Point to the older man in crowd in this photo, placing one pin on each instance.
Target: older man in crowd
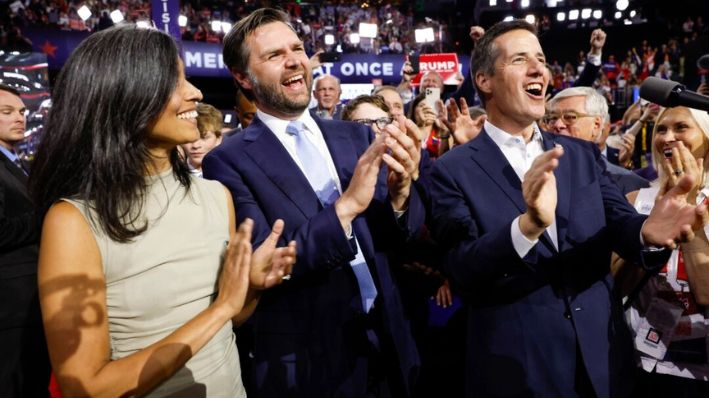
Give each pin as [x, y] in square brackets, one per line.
[582, 112]
[327, 93]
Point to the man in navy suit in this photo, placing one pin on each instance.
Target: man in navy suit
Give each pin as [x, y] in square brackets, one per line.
[531, 219]
[336, 326]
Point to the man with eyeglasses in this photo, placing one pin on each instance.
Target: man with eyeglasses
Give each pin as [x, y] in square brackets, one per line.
[530, 219]
[582, 112]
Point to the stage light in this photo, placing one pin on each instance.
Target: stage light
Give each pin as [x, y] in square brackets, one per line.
[627, 22]
[226, 27]
[618, 14]
[424, 35]
[524, 3]
[182, 21]
[354, 38]
[368, 30]
[217, 26]
[530, 18]
[597, 14]
[573, 15]
[493, 3]
[508, 18]
[329, 39]
[561, 16]
[117, 16]
[632, 14]
[621, 5]
[143, 24]
[84, 13]
[586, 13]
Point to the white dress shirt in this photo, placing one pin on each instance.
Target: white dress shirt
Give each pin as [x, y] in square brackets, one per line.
[520, 155]
[313, 133]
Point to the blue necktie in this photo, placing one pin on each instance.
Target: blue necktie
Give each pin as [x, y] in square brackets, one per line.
[316, 171]
[19, 164]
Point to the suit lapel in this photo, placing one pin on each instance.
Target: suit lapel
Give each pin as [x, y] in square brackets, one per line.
[563, 190]
[18, 179]
[344, 154]
[489, 157]
[274, 160]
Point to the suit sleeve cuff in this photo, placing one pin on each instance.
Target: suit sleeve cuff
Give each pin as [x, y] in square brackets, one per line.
[520, 242]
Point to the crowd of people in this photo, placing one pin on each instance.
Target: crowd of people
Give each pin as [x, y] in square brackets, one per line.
[398, 245]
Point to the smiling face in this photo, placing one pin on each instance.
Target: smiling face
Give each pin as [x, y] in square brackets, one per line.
[177, 123]
[586, 127]
[327, 92]
[371, 112]
[678, 124]
[515, 92]
[12, 119]
[279, 73]
[196, 150]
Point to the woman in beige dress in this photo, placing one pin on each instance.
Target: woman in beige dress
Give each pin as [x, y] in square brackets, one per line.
[141, 270]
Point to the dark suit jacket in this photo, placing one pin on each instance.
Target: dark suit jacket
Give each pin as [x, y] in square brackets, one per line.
[24, 368]
[309, 333]
[612, 155]
[527, 316]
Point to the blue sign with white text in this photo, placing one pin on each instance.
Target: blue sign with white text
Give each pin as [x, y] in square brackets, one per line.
[206, 60]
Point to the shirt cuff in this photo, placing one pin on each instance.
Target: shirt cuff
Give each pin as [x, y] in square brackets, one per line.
[348, 231]
[594, 59]
[520, 242]
[648, 247]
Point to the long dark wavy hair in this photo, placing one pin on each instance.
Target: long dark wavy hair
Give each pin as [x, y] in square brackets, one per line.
[106, 99]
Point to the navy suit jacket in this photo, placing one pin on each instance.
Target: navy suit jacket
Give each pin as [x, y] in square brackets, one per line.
[308, 331]
[528, 315]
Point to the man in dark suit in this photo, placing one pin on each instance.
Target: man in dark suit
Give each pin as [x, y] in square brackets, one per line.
[24, 362]
[531, 219]
[336, 326]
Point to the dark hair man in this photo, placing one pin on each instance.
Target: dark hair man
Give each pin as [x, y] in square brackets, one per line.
[531, 219]
[336, 328]
[24, 363]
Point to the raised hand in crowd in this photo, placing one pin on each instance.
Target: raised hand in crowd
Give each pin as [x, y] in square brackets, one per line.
[627, 146]
[462, 126]
[476, 32]
[598, 40]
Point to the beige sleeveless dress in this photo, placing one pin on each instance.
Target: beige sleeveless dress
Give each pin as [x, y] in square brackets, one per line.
[166, 276]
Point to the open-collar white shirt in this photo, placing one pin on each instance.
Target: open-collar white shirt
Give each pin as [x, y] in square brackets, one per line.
[520, 156]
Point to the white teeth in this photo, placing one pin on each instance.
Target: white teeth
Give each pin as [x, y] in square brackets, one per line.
[187, 115]
[534, 86]
[293, 79]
